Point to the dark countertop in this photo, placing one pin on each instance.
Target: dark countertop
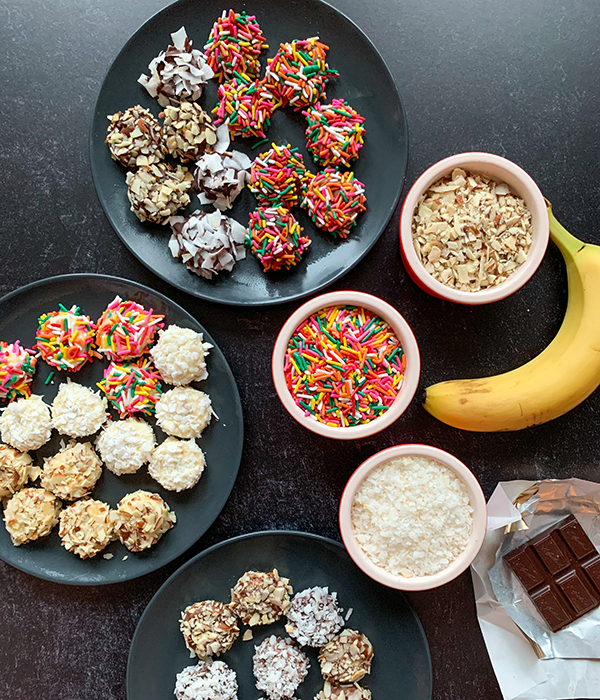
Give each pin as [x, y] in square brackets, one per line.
[517, 79]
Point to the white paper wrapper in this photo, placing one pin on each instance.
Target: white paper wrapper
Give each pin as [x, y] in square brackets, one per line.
[520, 672]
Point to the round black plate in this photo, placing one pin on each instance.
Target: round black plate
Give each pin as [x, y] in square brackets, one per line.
[197, 508]
[364, 81]
[401, 666]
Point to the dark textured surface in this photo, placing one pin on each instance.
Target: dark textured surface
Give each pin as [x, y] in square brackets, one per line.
[520, 80]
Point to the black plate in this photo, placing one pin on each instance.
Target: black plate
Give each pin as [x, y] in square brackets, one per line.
[197, 508]
[401, 666]
[365, 81]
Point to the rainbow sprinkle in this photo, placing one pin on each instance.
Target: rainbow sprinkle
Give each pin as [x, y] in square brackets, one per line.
[132, 387]
[17, 367]
[65, 338]
[344, 366]
[277, 177]
[275, 238]
[334, 135]
[234, 46]
[334, 200]
[126, 330]
[246, 106]
[298, 73]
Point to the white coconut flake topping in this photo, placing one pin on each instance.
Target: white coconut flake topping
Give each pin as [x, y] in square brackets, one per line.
[279, 667]
[314, 617]
[220, 177]
[207, 242]
[180, 355]
[184, 412]
[412, 516]
[25, 424]
[177, 464]
[177, 74]
[208, 680]
[126, 445]
[78, 411]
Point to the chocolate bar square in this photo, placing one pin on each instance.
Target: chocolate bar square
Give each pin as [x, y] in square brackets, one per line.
[560, 570]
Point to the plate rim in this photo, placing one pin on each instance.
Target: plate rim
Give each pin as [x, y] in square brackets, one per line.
[65, 277]
[256, 535]
[268, 301]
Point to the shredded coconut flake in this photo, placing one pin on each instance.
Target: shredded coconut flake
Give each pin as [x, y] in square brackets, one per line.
[184, 412]
[279, 667]
[206, 681]
[180, 355]
[25, 424]
[78, 411]
[412, 516]
[126, 445]
[177, 464]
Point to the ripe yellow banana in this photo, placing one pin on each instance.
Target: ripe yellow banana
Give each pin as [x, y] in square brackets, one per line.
[551, 384]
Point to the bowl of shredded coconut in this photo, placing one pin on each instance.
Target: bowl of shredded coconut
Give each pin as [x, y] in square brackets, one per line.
[413, 517]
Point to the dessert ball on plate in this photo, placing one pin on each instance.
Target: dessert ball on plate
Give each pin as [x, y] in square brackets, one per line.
[314, 617]
[209, 628]
[346, 658]
[277, 177]
[141, 519]
[132, 387]
[184, 412]
[334, 135]
[207, 242]
[206, 680]
[73, 472]
[298, 73]
[177, 464]
[126, 445]
[31, 514]
[188, 131]
[260, 598]
[246, 107]
[220, 177]
[343, 692]
[234, 46]
[279, 667]
[178, 74]
[157, 191]
[17, 367]
[86, 527]
[16, 469]
[135, 138]
[334, 200]
[180, 355]
[77, 411]
[275, 238]
[25, 424]
[126, 330]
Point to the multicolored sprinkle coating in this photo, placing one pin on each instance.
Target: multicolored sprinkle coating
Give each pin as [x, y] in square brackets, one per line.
[277, 177]
[344, 366]
[298, 73]
[334, 135]
[132, 387]
[334, 200]
[125, 330]
[275, 238]
[247, 106]
[17, 367]
[65, 338]
[234, 46]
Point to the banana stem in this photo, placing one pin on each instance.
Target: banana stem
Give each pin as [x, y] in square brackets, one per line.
[565, 241]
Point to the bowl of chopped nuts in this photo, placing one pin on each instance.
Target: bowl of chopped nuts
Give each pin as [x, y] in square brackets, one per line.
[473, 228]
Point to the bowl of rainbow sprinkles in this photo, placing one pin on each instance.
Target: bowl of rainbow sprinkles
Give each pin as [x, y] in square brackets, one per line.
[346, 365]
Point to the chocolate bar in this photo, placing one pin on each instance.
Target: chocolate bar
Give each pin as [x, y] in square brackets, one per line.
[560, 570]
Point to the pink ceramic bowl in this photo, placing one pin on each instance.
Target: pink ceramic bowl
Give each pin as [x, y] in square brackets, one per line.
[417, 583]
[407, 341]
[497, 168]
